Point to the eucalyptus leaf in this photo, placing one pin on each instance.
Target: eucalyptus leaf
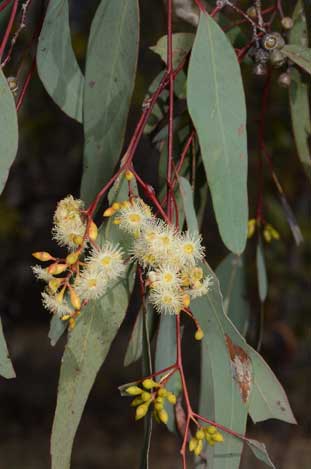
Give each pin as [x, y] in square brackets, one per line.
[8, 130]
[182, 43]
[57, 65]
[6, 367]
[300, 55]
[261, 271]
[110, 76]
[217, 107]
[187, 198]
[135, 345]
[260, 451]
[57, 328]
[299, 93]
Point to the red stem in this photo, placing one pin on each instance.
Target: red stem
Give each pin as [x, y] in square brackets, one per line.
[22, 94]
[8, 28]
[171, 107]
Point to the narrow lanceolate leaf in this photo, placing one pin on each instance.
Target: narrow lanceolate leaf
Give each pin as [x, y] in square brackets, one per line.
[135, 346]
[86, 350]
[182, 43]
[110, 76]
[6, 367]
[299, 93]
[261, 271]
[300, 55]
[57, 328]
[187, 199]
[57, 65]
[8, 130]
[231, 276]
[260, 451]
[217, 107]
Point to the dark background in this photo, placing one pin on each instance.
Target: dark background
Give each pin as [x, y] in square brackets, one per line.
[47, 168]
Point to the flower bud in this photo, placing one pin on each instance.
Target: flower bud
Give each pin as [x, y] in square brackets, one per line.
[43, 256]
[65, 317]
[287, 22]
[267, 235]
[251, 227]
[163, 416]
[54, 284]
[150, 383]
[218, 438]
[129, 175]
[186, 300]
[137, 401]
[141, 411]
[158, 406]
[200, 435]
[72, 323]
[56, 269]
[93, 231]
[193, 444]
[199, 334]
[116, 206]
[171, 398]
[133, 390]
[198, 448]
[162, 392]
[72, 258]
[77, 239]
[74, 299]
[146, 396]
[211, 430]
[108, 212]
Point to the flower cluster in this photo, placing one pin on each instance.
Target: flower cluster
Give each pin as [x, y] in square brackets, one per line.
[170, 258]
[151, 392]
[72, 281]
[209, 434]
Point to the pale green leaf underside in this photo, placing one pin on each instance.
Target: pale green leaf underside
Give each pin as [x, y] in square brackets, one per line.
[110, 77]
[182, 43]
[299, 94]
[260, 451]
[86, 350]
[217, 107]
[57, 328]
[6, 367]
[8, 130]
[300, 55]
[57, 65]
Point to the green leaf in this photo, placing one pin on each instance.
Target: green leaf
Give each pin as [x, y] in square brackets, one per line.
[57, 65]
[182, 43]
[261, 271]
[166, 356]
[135, 345]
[260, 451]
[8, 130]
[6, 367]
[301, 56]
[217, 107]
[86, 350]
[57, 328]
[299, 94]
[187, 198]
[110, 75]
[231, 276]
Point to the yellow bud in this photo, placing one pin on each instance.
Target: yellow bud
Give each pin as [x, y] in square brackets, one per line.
[54, 284]
[146, 396]
[149, 383]
[72, 323]
[158, 406]
[72, 258]
[43, 256]
[274, 233]
[218, 437]
[155, 416]
[251, 227]
[186, 300]
[60, 296]
[267, 235]
[108, 212]
[77, 239]
[208, 437]
[129, 175]
[199, 334]
[193, 444]
[141, 411]
[159, 400]
[125, 204]
[117, 221]
[162, 392]
[93, 231]
[56, 269]
[74, 299]
[211, 430]
[171, 398]
[163, 416]
[136, 401]
[200, 435]
[65, 317]
[185, 281]
[133, 390]
[198, 448]
[116, 206]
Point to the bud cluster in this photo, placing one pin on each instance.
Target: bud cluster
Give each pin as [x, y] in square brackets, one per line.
[209, 434]
[269, 232]
[149, 393]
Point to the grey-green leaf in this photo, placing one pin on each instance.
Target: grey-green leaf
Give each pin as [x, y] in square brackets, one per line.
[231, 276]
[300, 55]
[261, 271]
[217, 107]
[182, 43]
[6, 367]
[135, 345]
[299, 94]
[57, 328]
[86, 350]
[8, 130]
[57, 65]
[110, 76]
[187, 198]
[260, 451]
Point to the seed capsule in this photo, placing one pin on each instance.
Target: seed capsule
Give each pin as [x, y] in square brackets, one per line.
[12, 82]
[251, 12]
[261, 56]
[277, 58]
[287, 22]
[272, 41]
[284, 80]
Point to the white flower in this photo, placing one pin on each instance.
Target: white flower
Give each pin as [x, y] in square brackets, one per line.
[108, 259]
[166, 301]
[190, 248]
[200, 288]
[41, 274]
[69, 228]
[91, 283]
[166, 277]
[133, 217]
[51, 303]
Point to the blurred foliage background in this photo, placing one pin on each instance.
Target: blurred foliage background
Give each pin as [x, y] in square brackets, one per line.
[48, 167]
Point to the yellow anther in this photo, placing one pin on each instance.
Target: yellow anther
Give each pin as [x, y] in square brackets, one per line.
[185, 281]
[171, 398]
[56, 269]
[200, 435]
[133, 390]
[72, 258]
[108, 212]
[129, 175]
[125, 204]
[199, 334]
[141, 411]
[43, 256]
[186, 300]
[163, 416]
[198, 448]
[116, 206]
[93, 231]
[74, 299]
[150, 383]
[117, 221]
[218, 438]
